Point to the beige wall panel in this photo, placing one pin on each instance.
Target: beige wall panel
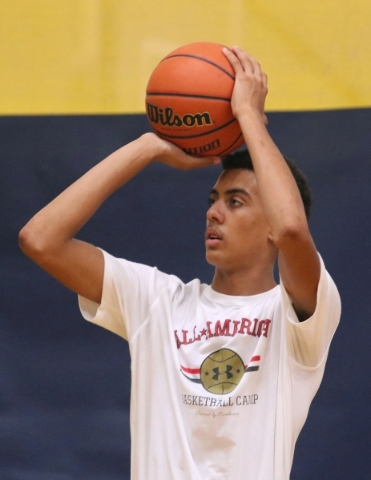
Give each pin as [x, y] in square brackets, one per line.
[95, 56]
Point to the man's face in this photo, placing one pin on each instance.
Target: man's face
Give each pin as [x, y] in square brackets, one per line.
[236, 229]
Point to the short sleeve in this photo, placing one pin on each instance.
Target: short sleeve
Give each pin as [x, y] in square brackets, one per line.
[128, 291]
[308, 341]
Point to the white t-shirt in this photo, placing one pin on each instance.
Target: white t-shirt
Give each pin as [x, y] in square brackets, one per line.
[221, 385]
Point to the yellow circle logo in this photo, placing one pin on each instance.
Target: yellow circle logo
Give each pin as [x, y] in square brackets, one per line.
[222, 371]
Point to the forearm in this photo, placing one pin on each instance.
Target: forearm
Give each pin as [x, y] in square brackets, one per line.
[61, 219]
[278, 190]
[66, 214]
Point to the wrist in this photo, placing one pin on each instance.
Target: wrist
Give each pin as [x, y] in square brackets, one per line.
[248, 114]
[153, 145]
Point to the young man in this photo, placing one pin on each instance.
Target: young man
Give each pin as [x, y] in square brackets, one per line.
[222, 375]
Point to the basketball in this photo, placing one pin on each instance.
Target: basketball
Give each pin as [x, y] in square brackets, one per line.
[188, 100]
[222, 371]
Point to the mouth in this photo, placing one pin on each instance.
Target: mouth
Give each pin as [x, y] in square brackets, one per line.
[212, 237]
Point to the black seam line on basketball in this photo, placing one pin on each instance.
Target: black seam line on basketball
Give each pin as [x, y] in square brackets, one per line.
[202, 59]
[198, 135]
[188, 95]
[230, 146]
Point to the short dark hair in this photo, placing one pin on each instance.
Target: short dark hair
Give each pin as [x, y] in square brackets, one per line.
[242, 159]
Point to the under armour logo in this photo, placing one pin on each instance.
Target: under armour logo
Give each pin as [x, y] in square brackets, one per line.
[226, 372]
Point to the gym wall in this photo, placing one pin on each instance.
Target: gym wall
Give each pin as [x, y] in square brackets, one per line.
[72, 82]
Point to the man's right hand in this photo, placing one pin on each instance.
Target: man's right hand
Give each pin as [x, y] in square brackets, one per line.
[173, 156]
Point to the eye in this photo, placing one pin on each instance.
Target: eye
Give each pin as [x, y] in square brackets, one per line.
[234, 202]
[211, 200]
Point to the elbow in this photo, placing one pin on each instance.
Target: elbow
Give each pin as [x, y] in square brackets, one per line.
[291, 232]
[30, 242]
[25, 241]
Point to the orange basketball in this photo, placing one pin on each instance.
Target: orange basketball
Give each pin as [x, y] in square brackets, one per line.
[188, 100]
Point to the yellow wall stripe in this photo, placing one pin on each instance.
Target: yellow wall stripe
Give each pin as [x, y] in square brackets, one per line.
[95, 56]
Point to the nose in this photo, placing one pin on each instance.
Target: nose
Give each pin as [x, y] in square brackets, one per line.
[215, 212]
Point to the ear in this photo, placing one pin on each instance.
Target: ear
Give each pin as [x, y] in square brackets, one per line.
[271, 241]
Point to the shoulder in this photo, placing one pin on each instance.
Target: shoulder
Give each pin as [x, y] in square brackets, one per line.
[149, 278]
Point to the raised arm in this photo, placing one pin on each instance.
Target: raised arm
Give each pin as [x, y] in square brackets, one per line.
[298, 259]
[48, 237]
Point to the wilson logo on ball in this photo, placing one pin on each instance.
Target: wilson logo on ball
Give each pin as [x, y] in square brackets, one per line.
[166, 117]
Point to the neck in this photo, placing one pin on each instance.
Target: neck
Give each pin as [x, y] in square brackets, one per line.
[243, 282]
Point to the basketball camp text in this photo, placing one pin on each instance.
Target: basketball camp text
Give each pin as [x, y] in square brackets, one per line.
[201, 401]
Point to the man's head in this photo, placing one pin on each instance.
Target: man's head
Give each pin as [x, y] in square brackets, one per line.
[238, 235]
